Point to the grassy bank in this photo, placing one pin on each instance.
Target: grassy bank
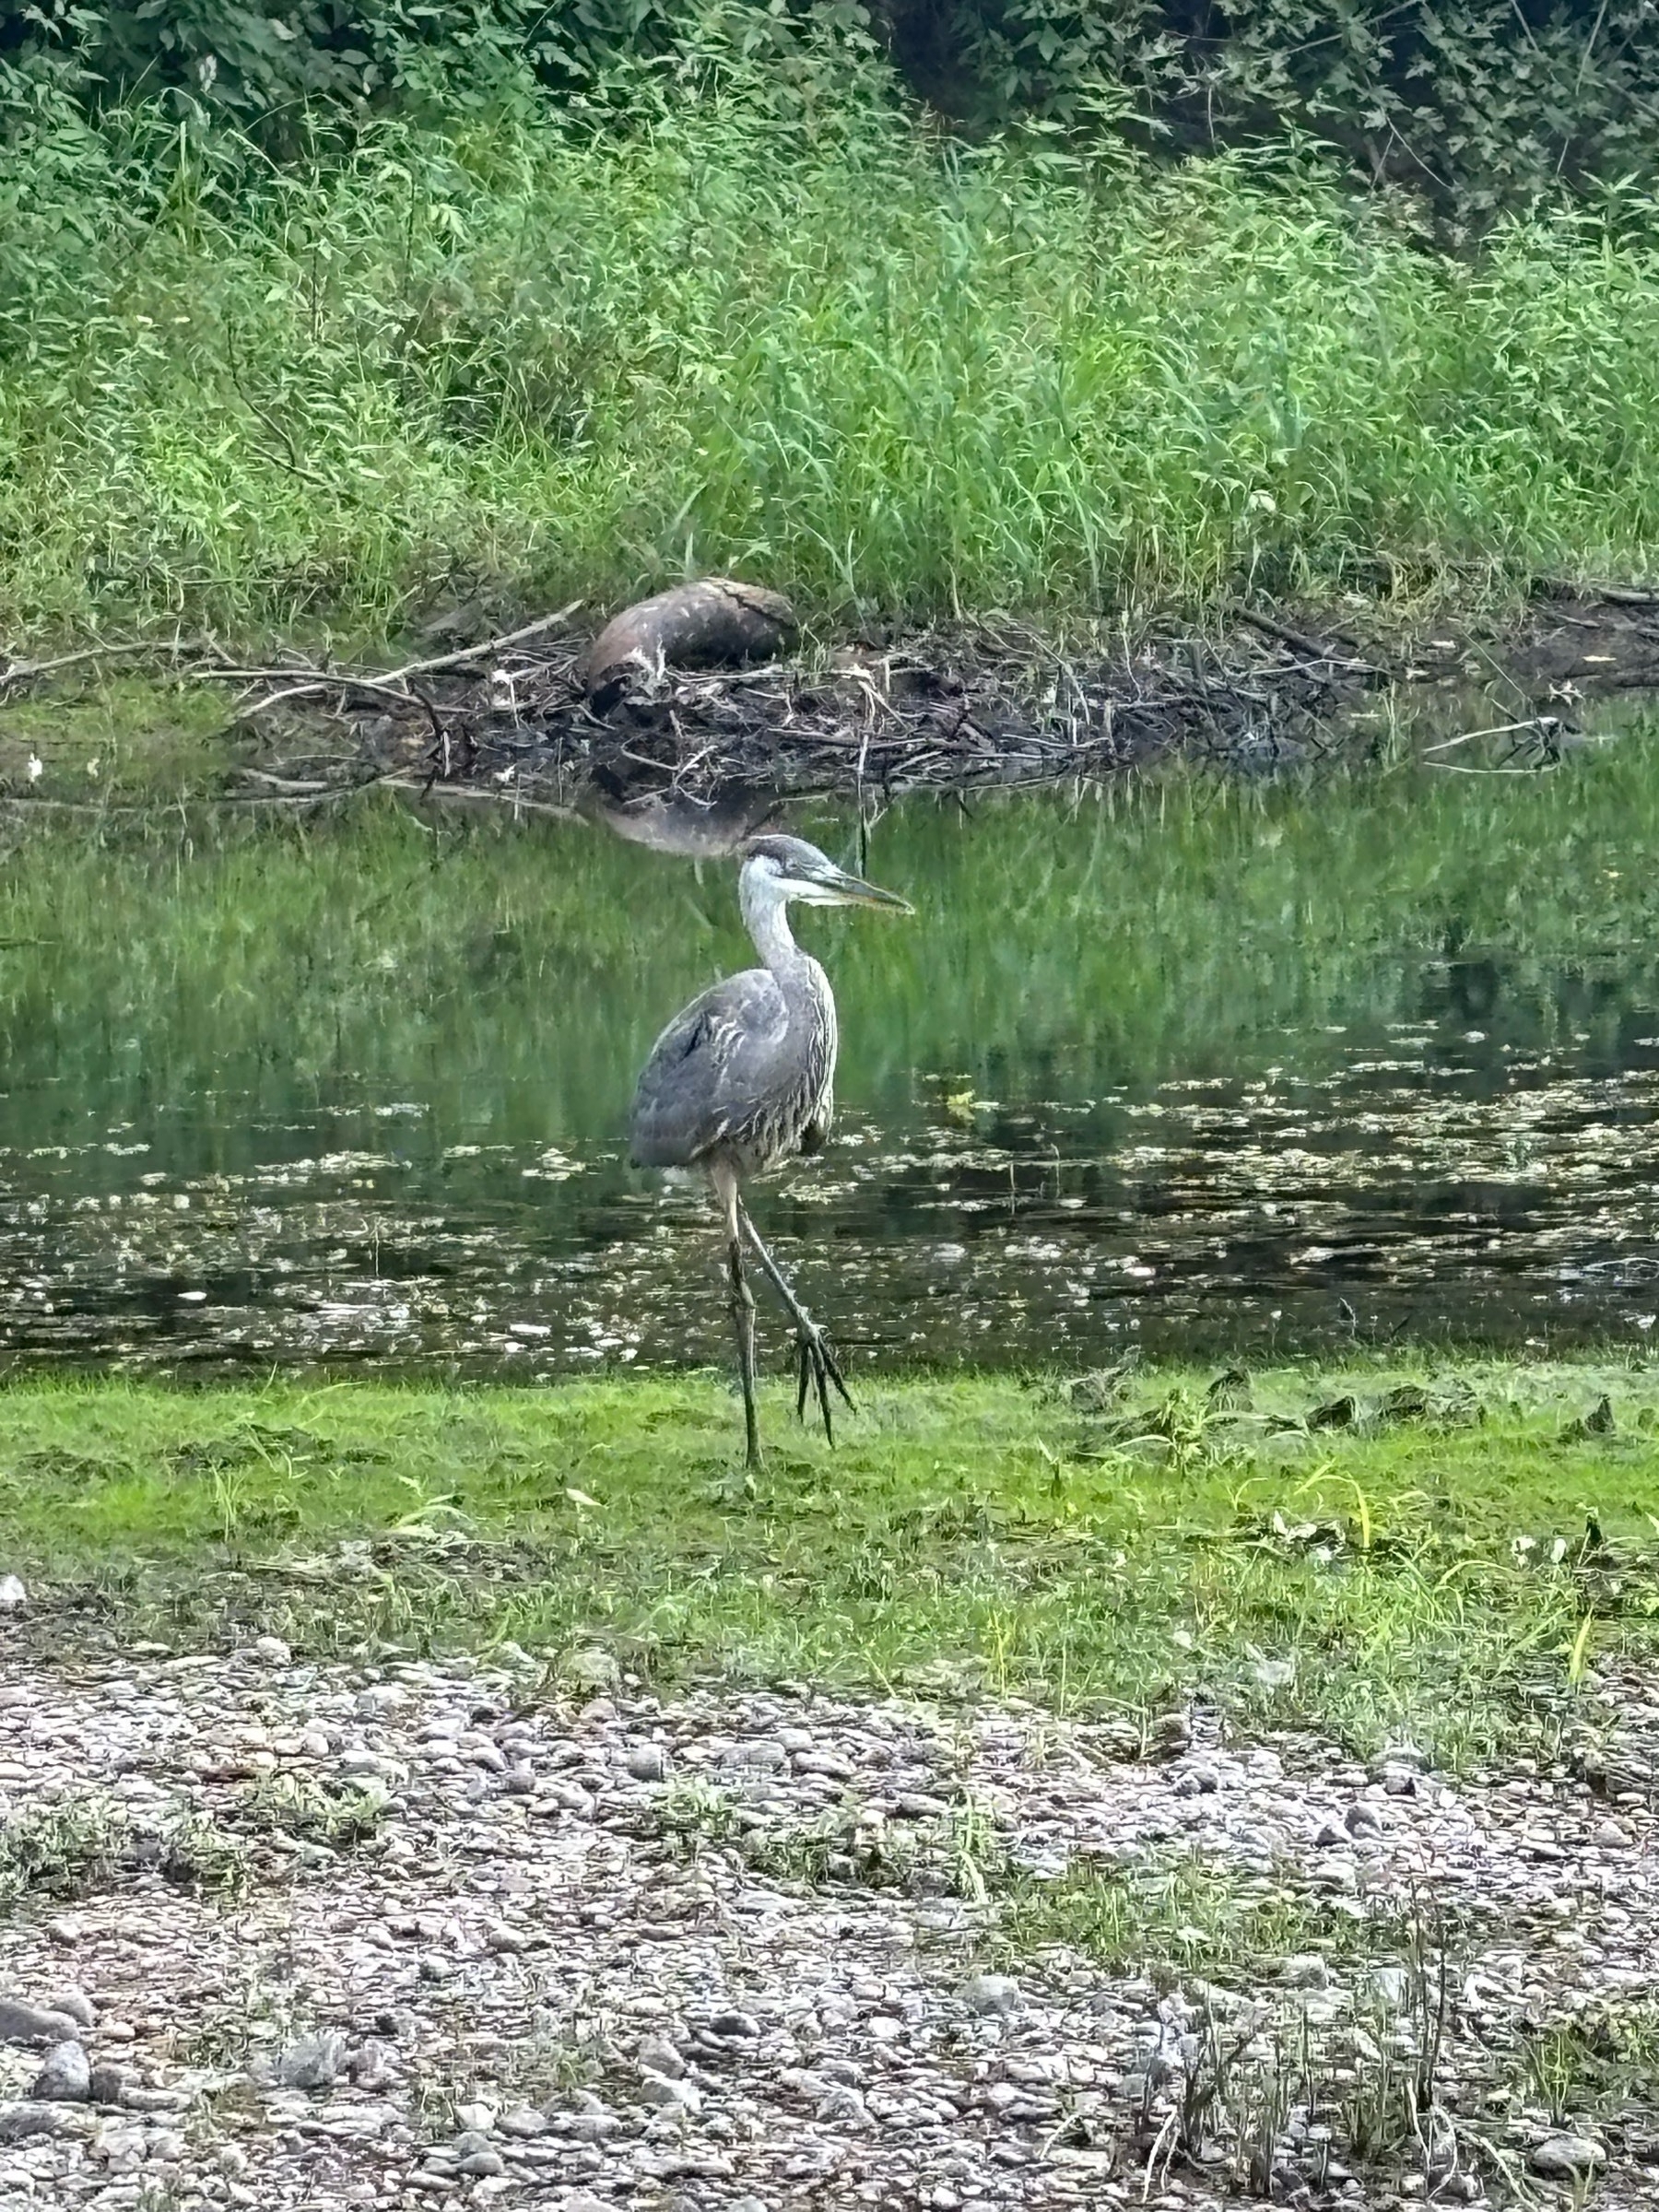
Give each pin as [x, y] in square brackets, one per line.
[1445, 1555]
[763, 321]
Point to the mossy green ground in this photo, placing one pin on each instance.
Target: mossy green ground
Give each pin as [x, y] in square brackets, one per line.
[1442, 1555]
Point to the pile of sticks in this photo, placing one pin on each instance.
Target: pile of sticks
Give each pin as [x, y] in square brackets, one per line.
[514, 721]
[510, 721]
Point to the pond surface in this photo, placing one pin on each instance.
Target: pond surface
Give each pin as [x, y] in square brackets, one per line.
[1207, 1068]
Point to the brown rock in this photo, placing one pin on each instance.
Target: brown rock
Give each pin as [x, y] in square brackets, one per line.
[716, 623]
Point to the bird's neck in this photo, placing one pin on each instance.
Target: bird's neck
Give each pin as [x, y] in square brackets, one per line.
[768, 921]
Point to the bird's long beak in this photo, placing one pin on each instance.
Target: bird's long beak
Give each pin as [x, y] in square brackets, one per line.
[854, 891]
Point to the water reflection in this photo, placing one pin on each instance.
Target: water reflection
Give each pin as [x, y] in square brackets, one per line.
[1202, 1069]
[648, 809]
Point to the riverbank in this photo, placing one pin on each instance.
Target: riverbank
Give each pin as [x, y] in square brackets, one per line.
[1438, 1551]
[103, 733]
[784, 329]
[1177, 1787]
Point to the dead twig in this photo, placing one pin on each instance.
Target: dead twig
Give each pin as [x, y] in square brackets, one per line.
[26, 672]
[491, 645]
[1271, 627]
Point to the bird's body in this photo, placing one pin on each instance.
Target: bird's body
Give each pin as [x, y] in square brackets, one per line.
[746, 1071]
[743, 1078]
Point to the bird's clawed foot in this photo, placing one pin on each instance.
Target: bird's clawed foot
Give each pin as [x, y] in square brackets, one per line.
[816, 1368]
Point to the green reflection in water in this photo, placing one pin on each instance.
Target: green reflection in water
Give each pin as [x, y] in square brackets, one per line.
[377, 989]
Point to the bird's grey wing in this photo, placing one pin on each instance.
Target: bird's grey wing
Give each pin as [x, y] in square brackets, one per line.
[708, 1070]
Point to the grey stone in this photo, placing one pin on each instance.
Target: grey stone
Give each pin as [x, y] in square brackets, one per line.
[1567, 2158]
[658, 2056]
[481, 2162]
[66, 2077]
[524, 2120]
[1305, 1969]
[12, 1593]
[107, 2084]
[270, 1649]
[24, 2023]
[313, 2062]
[33, 2117]
[136, 2099]
[583, 2200]
[75, 2004]
[840, 2102]
[647, 1762]
[592, 1668]
[1175, 1731]
[659, 2090]
[991, 1994]
[1198, 1779]
[733, 2024]
[372, 2065]
[592, 2127]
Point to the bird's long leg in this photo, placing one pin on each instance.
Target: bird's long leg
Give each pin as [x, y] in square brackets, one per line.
[819, 1367]
[743, 1315]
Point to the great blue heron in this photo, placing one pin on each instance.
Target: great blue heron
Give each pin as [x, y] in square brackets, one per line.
[743, 1078]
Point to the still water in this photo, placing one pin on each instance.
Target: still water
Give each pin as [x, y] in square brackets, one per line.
[1203, 1068]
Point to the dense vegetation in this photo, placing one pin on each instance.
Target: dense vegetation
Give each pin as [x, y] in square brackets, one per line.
[1474, 103]
[396, 311]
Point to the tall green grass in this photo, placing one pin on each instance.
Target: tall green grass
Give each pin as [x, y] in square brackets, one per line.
[741, 319]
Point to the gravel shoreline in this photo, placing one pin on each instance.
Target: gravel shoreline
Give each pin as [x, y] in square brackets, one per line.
[447, 1933]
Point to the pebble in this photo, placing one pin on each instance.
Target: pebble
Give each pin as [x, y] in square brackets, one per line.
[663, 2091]
[1305, 1969]
[793, 2036]
[1567, 2157]
[24, 2023]
[66, 2076]
[991, 1994]
[313, 2063]
[12, 1593]
[658, 2056]
[24, 2118]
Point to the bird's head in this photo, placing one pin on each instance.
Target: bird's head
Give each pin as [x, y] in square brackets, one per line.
[787, 867]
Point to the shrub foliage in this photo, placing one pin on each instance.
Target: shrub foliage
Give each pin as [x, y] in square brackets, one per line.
[1475, 103]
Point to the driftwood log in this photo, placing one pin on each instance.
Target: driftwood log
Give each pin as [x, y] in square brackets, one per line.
[714, 624]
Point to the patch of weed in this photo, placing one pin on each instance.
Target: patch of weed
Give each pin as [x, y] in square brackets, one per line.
[338, 1815]
[63, 1849]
